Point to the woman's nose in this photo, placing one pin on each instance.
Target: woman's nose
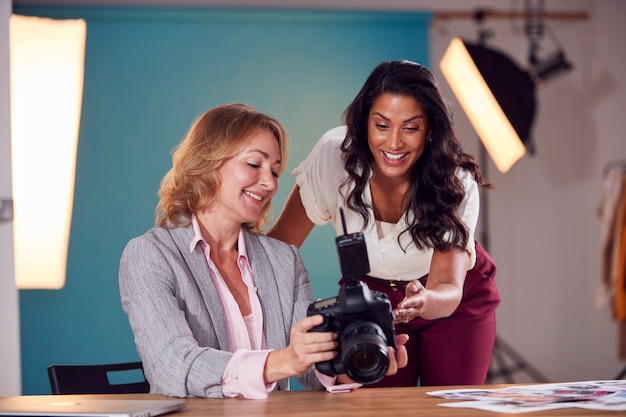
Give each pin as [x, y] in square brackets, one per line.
[269, 180]
[395, 139]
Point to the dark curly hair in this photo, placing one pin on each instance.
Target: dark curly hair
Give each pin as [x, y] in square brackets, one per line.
[436, 192]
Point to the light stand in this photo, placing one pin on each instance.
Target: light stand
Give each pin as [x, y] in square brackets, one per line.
[505, 361]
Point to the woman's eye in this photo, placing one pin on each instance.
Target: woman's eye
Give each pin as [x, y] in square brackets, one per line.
[254, 165]
[411, 129]
[381, 126]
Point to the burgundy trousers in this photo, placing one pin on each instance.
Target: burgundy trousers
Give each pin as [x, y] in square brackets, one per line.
[455, 350]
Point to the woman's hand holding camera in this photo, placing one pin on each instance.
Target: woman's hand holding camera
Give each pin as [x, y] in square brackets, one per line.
[305, 348]
[399, 358]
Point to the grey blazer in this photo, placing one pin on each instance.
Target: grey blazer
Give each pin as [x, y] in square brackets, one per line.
[177, 317]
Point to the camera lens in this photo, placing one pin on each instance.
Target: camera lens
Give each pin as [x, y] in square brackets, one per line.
[364, 348]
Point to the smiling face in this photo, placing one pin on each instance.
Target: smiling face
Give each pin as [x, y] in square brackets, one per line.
[397, 132]
[249, 179]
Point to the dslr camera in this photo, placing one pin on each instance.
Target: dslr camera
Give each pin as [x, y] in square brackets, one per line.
[362, 318]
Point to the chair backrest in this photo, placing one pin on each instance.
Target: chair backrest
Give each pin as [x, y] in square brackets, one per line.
[98, 379]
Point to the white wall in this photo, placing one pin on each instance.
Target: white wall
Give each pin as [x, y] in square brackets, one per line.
[10, 376]
[545, 229]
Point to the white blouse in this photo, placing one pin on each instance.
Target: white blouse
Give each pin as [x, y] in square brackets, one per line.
[320, 177]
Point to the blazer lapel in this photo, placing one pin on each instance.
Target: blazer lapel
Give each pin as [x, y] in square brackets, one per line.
[201, 274]
[274, 324]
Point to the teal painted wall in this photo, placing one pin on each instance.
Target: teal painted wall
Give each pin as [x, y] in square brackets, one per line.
[148, 74]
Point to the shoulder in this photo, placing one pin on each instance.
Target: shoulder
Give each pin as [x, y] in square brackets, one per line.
[326, 154]
[333, 138]
[145, 240]
[466, 178]
[336, 133]
[158, 239]
[269, 253]
[329, 142]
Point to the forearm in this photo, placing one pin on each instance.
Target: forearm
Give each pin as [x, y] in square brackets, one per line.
[443, 291]
[278, 366]
[444, 287]
[441, 301]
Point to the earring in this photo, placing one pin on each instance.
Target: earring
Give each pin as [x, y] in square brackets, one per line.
[430, 139]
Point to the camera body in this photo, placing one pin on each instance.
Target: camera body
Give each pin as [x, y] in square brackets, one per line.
[362, 318]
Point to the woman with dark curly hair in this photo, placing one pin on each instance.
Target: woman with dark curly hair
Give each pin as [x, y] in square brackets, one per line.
[402, 179]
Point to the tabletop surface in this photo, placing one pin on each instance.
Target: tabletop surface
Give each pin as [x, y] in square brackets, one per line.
[363, 402]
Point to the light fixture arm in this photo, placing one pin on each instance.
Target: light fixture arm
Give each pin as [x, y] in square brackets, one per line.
[534, 29]
[483, 34]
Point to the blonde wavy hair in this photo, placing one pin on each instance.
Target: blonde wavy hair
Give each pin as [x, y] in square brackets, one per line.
[194, 181]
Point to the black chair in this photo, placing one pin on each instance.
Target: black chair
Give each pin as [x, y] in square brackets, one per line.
[95, 379]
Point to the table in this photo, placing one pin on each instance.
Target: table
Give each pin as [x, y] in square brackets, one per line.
[364, 402]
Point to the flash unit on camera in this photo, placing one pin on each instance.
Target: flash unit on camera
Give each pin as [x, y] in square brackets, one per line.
[352, 252]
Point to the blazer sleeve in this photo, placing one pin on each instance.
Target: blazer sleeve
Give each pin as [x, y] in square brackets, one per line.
[157, 292]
